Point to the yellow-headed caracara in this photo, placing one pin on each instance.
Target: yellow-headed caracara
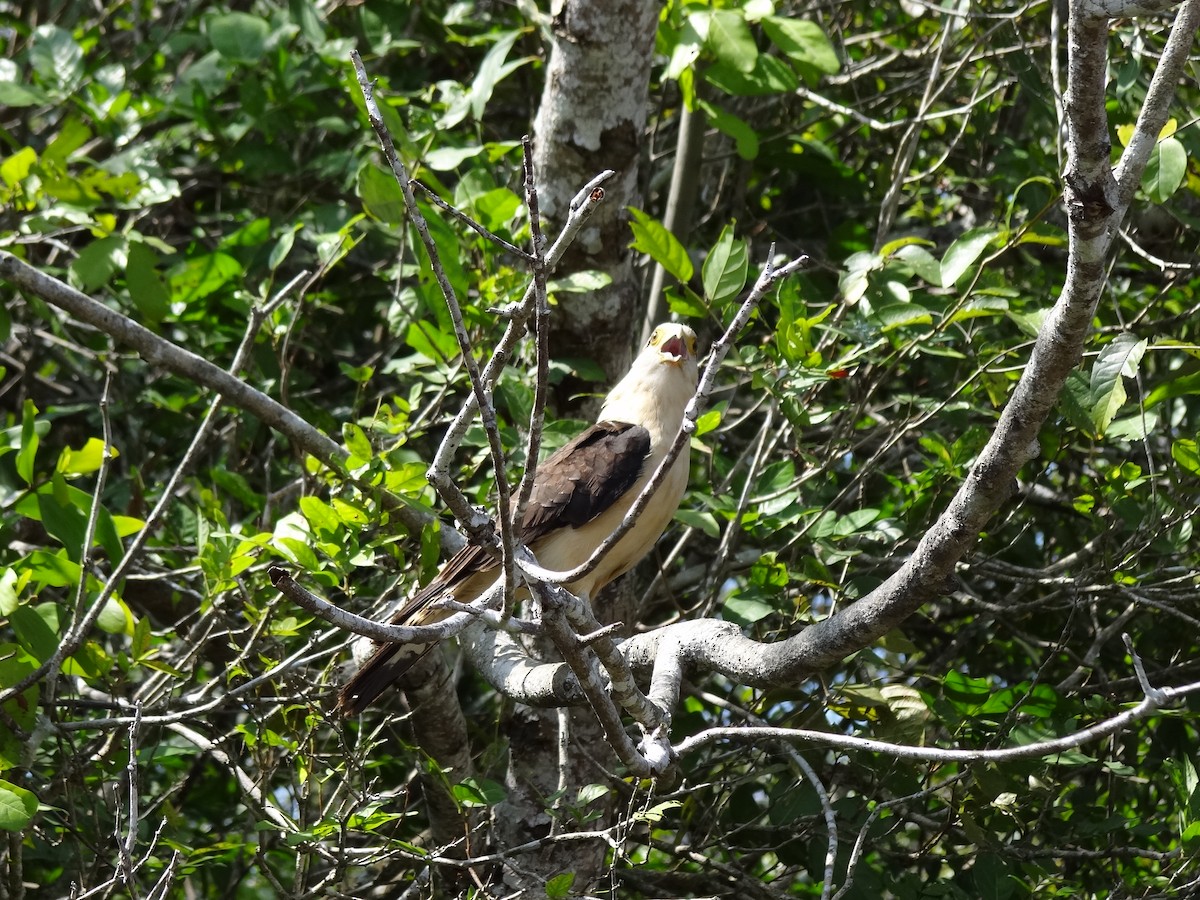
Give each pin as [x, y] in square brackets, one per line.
[580, 495]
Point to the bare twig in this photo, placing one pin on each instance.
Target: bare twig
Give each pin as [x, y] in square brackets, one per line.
[378, 631]
[580, 661]
[475, 521]
[1154, 700]
[542, 335]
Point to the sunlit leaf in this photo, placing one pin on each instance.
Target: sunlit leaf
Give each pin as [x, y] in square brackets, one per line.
[380, 194]
[651, 238]
[803, 42]
[1165, 170]
[730, 40]
[1117, 361]
[963, 253]
[725, 268]
[17, 807]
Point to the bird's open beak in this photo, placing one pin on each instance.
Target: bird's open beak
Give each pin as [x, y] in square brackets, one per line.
[674, 349]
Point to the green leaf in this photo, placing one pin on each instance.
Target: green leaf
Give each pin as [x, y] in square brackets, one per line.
[770, 75]
[86, 459]
[685, 303]
[688, 46]
[582, 282]
[745, 138]
[48, 569]
[72, 135]
[34, 631]
[1117, 361]
[447, 159]
[725, 268]
[802, 42]
[980, 306]
[901, 315]
[993, 878]
[146, 286]
[8, 591]
[916, 258]
[652, 238]
[239, 37]
[283, 246]
[730, 40]
[1165, 170]
[658, 811]
[474, 792]
[115, 617]
[589, 793]
[707, 422]
[1185, 452]
[203, 275]
[321, 517]
[56, 57]
[98, 262]
[17, 807]
[380, 194]
[16, 168]
[15, 96]
[746, 610]
[426, 339]
[560, 885]
[703, 521]
[963, 252]
[492, 71]
[29, 443]
[356, 442]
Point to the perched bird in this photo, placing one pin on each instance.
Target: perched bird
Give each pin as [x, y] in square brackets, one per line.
[580, 495]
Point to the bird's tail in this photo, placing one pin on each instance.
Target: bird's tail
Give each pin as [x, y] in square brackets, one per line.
[382, 668]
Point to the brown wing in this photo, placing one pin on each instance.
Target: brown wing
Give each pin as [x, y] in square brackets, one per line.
[575, 484]
[585, 477]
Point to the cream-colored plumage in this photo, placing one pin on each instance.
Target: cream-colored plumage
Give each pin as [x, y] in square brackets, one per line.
[580, 495]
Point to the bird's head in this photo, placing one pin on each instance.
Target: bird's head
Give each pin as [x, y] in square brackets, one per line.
[659, 383]
[675, 344]
[672, 347]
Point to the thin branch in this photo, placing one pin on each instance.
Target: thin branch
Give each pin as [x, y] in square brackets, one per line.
[125, 867]
[542, 334]
[1157, 105]
[441, 204]
[475, 521]
[580, 661]
[1093, 205]
[81, 622]
[282, 580]
[158, 351]
[1150, 704]
[581, 209]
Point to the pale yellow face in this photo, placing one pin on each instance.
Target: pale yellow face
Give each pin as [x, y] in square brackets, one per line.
[675, 343]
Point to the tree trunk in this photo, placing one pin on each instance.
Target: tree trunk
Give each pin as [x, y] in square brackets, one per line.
[592, 117]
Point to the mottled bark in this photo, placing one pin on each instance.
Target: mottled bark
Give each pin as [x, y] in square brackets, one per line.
[592, 117]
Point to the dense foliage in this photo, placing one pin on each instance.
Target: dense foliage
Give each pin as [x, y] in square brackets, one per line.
[207, 170]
